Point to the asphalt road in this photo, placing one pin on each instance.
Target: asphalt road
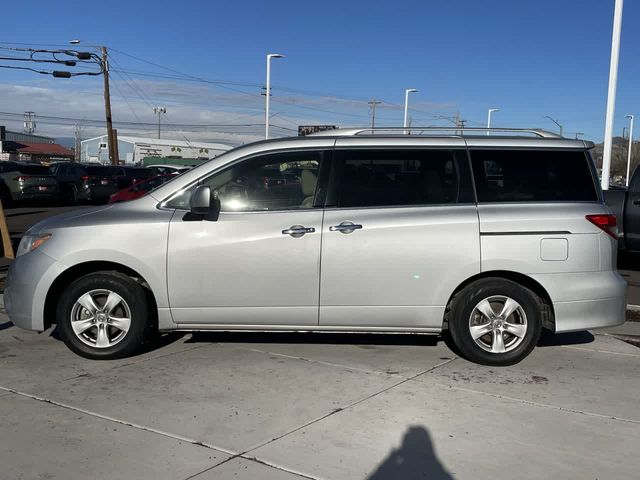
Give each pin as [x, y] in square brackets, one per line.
[20, 219]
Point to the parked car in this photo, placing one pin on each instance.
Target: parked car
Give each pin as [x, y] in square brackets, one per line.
[100, 181]
[164, 169]
[139, 189]
[72, 179]
[487, 238]
[625, 204]
[26, 181]
[132, 175]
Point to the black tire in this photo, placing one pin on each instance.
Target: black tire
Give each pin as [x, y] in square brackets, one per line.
[135, 298]
[71, 195]
[5, 195]
[464, 304]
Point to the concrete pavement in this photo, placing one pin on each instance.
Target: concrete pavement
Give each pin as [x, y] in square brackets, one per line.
[285, 406]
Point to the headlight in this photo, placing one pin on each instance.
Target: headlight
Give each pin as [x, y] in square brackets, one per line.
[30, 242]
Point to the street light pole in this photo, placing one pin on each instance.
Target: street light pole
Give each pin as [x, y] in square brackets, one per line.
[630, 117]
[406, 106]
[491, 110]
[268, 93]
[554, 121]
[611, 97]
[159, 111]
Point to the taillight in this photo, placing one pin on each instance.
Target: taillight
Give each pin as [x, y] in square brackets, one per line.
[605, 222]
[85, 177]
[22, 178]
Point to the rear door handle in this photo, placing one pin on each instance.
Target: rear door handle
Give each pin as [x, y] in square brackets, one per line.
[297, 231]
[345, 227]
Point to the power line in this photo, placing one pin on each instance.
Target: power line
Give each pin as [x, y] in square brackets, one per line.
[73, 120]
[230, 84]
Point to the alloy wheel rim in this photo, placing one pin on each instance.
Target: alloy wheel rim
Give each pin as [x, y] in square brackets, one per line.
[100, 318]
[498, 324]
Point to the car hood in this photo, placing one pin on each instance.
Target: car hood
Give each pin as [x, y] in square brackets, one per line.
[132, 211]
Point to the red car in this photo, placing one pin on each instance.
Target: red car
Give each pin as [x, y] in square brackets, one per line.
[141, 188]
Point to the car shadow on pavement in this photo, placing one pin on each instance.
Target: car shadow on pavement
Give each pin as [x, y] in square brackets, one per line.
[329, 338]
[549, 339]
[415, 458]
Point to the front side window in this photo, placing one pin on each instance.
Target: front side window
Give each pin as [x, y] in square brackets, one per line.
[279, 181]
[533, 176]
[373, 178]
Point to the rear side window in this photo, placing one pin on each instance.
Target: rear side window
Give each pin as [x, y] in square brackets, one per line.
[8, 167]
[139, 172]
[372, 178]
[103, 171]
[532, 176]
[33, 169]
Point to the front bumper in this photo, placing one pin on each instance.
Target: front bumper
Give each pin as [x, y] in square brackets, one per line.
[28, 280]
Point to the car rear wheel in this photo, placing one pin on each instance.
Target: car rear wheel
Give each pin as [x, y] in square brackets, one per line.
[71, 195]
[495, 321]
[104, 315]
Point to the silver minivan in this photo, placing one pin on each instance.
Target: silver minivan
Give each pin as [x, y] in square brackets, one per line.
[486, 238]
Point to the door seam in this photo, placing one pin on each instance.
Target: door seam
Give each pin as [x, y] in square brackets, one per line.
[320, 265]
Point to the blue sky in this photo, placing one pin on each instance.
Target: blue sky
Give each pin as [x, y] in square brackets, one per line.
[530, 59]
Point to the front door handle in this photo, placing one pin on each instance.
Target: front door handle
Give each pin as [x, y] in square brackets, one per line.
[297, 231]
[345, 227]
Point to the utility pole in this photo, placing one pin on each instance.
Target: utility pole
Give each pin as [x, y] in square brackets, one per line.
[29, 122]
[159, 111]
[78, 141]
[373, 104]
[112, 140]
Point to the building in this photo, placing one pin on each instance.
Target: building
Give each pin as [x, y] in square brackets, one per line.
[27, 147]
[132, 150]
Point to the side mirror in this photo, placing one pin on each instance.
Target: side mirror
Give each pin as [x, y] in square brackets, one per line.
[204, 205]
[200, 202]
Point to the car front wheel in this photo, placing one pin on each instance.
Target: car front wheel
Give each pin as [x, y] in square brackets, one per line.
[104, 315]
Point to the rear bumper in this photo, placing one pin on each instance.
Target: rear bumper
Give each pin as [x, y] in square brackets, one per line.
[100, 192]
[51, 193]
[583, 301]
[589, 314]
[28, 280]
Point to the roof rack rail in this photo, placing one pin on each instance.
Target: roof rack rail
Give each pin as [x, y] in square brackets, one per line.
[454, 131]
